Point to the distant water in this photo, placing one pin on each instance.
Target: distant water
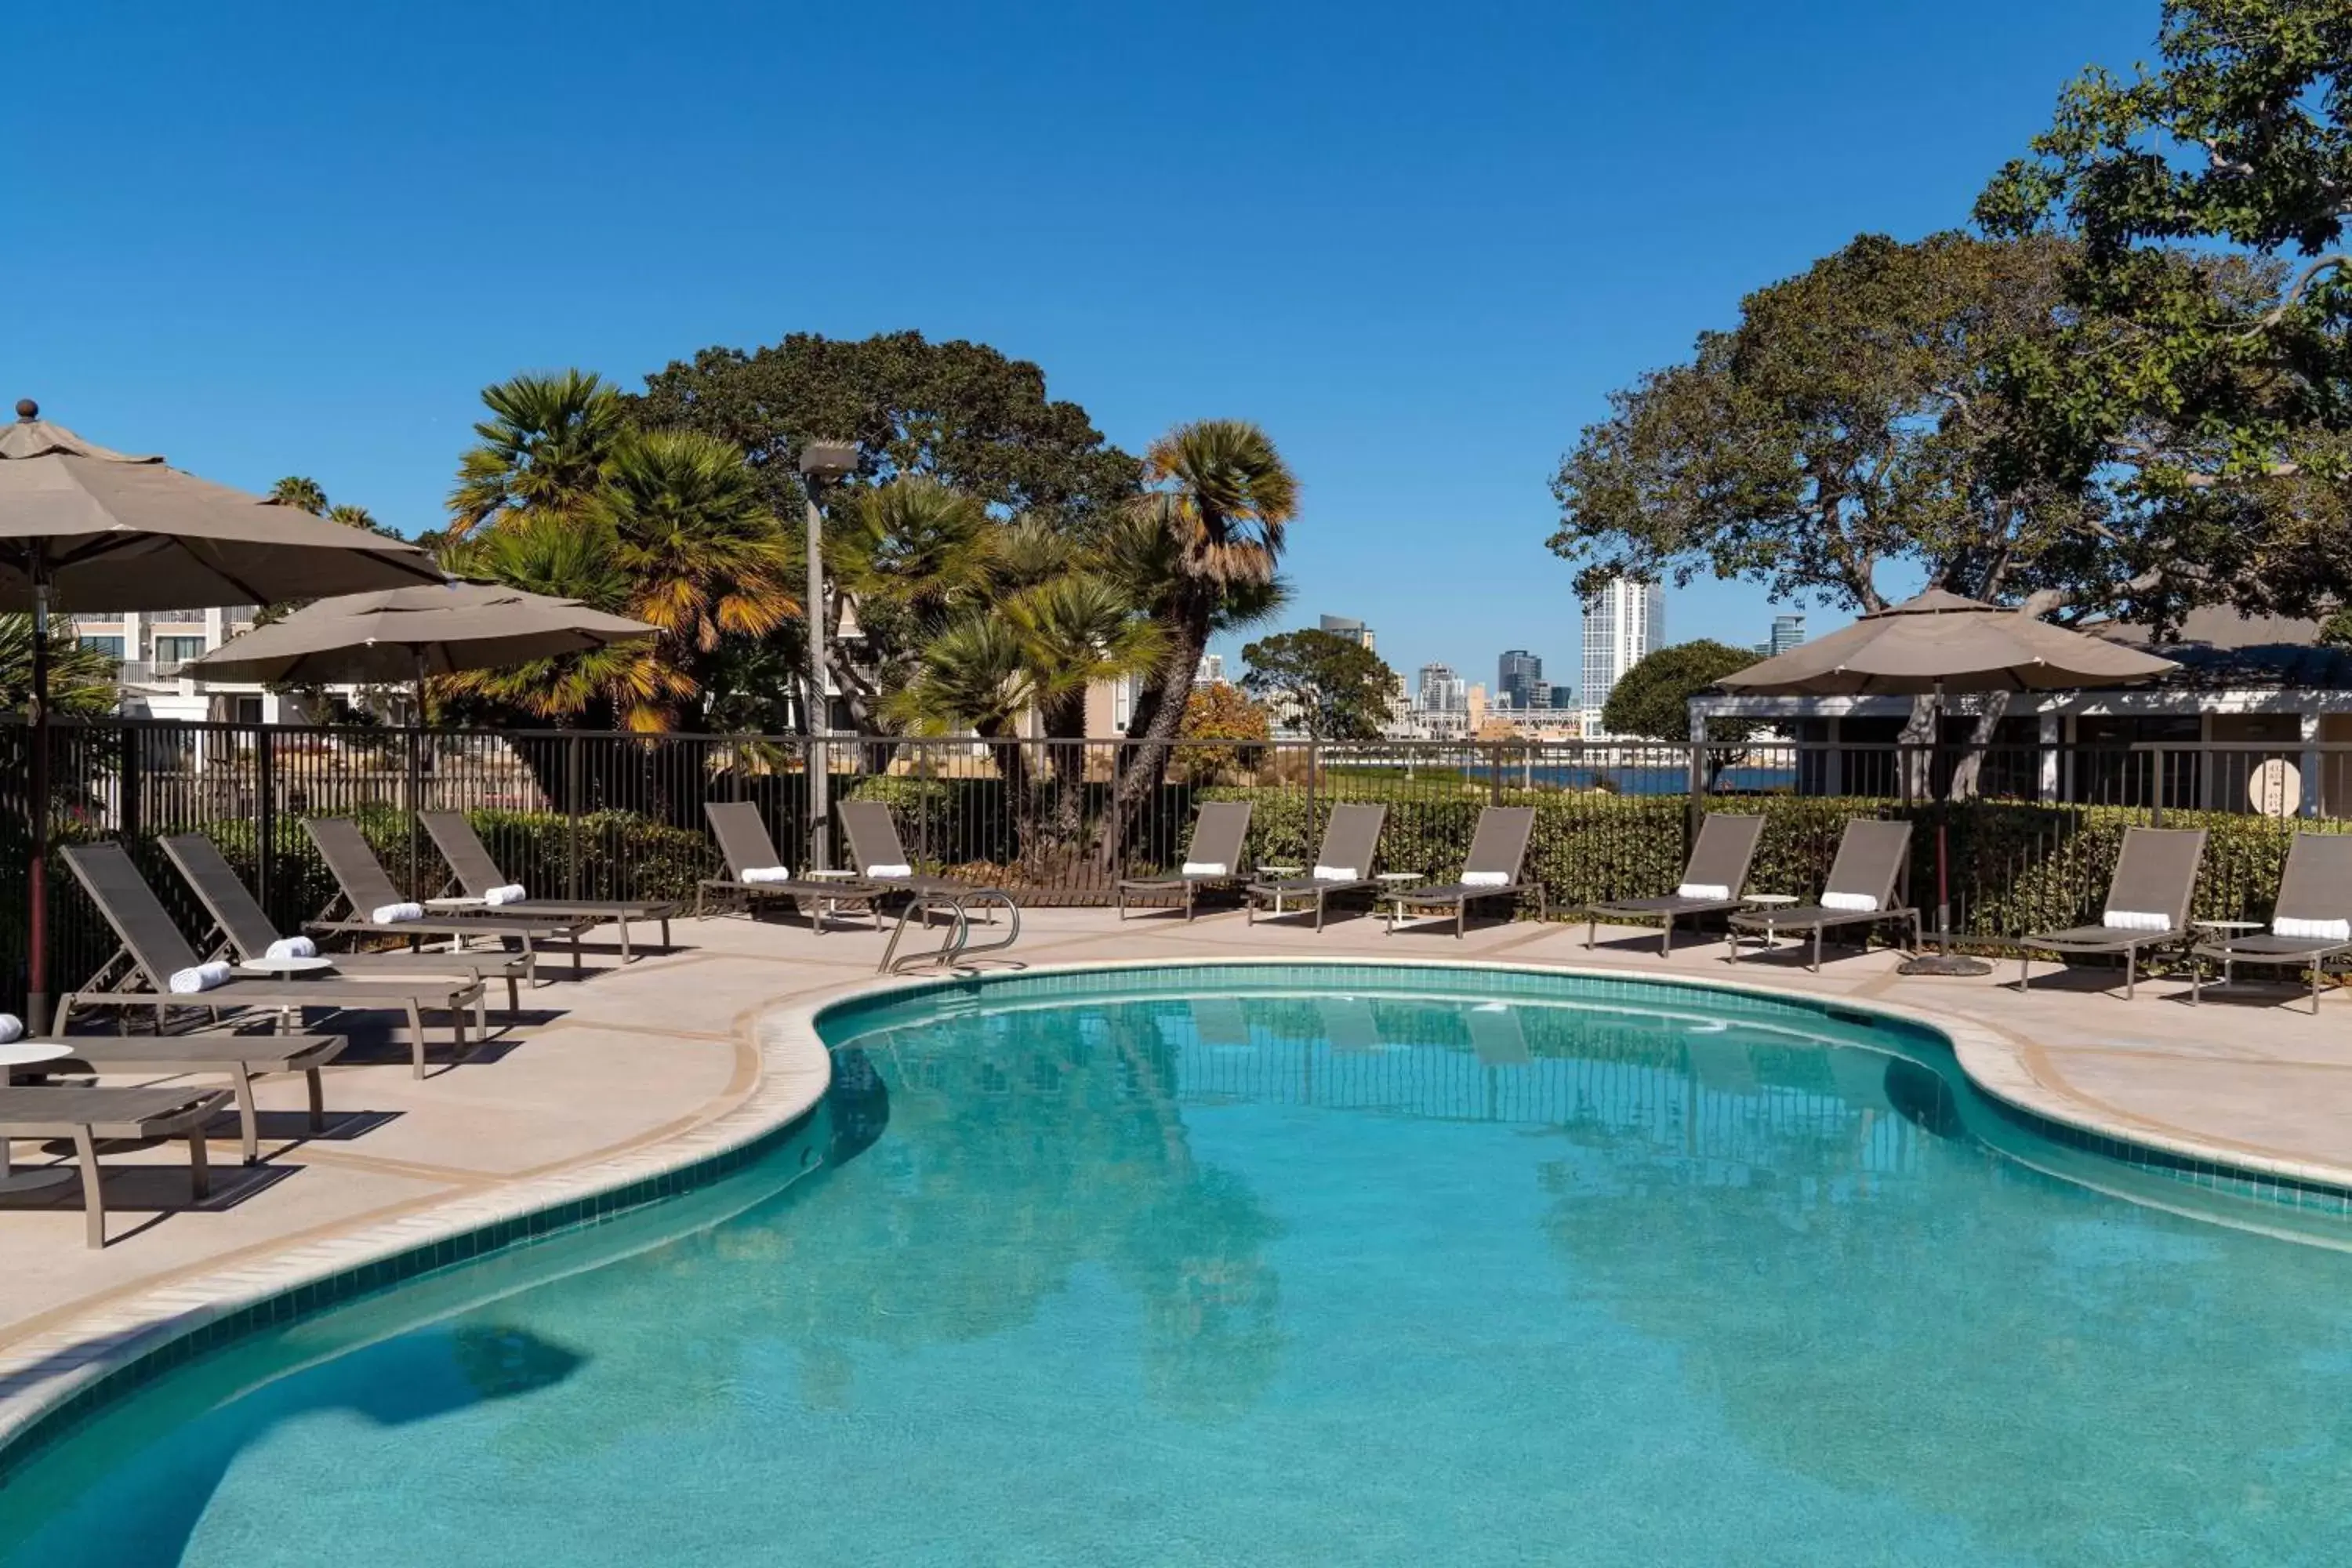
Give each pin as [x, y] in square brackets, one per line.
[1672, 780]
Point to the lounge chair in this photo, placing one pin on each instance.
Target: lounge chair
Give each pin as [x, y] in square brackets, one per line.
[745, 845]
[478, 874]
[1343, 864]
[1860, 891]
[1214, 859]
[1719, 859]
[878, 856]
[1498, 849]
[249, 933]
[86, 1115]
[2311, 923]
[140, 972]
[2148, 903]
[365, 887]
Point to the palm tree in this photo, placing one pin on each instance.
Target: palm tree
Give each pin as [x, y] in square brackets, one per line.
[703, 554]
[359, 517]
[975, 675]
[909, 554]
[544, 447]
[81, 677]
[301, 492]
[1075, 630]
[627, 685]
[1216, 501]
[674, 534]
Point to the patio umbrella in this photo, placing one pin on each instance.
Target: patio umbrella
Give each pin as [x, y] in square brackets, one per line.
[1941, 642]
[404, 634]
[84, 528]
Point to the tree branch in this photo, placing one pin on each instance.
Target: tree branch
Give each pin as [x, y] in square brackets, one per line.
[2293, 296]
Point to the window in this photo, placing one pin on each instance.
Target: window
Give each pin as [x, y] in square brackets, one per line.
[248, 710]
[112, 646]
[177, 650]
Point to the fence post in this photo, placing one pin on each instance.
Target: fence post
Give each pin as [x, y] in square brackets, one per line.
[571, 816]
[265, 786]
[1694, 810]
[2156, 789]
[1494, 783]
[1310, 850]
[126, 774]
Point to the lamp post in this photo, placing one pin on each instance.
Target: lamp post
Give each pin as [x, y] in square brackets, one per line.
[823, 463]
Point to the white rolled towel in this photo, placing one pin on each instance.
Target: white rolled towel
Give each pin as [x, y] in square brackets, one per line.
[1485, 878]
[393, 914]
[292, 947]
[1334, 874]
[766, 874]
[2288, 925]
[1714, 890]
[1205, 868]
[202, 977]
[12, 1028]
[889, 870]
[2135, 920]
[1860, 903]
[512, 893]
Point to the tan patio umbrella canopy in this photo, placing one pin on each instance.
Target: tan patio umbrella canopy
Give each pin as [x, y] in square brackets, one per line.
[409, 633]
[1942, 641]
[109, 532]
[84, 528]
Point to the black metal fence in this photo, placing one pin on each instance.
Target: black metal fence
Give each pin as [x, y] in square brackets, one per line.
[2032, 830]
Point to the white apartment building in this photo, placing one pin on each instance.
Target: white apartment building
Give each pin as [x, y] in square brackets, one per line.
[154, 647]
[1624, 624]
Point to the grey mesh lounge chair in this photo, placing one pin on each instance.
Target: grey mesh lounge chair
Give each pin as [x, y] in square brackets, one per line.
[1724, 849]
[248, 932]
[365, 887]
[1869, 864]
[86, 1115]
[1498, 846]
[744, 843]
[1350, 838]
[154, 950]
[2156, 874]
[1218, 834]
[2316, 888]
[477, 874]
[874, 841]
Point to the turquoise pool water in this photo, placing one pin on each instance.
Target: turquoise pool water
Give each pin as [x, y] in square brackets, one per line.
[1268, 1267]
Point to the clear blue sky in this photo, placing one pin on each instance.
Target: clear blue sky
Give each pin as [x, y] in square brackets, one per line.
[1420, 245]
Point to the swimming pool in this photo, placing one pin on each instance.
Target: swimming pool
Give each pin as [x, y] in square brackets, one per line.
[1300, 1263]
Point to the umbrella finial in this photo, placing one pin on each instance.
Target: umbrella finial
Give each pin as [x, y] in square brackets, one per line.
[27, 410]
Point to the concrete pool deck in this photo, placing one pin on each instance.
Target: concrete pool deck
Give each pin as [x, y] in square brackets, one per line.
[651, 1065]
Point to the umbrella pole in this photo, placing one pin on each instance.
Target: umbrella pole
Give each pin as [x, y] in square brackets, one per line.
[416, 780]
[36, 871]
[1945, 961]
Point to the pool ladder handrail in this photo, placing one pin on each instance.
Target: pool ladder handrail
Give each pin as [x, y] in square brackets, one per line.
[957, 944]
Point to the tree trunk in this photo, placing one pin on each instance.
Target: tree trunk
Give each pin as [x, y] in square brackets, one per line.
[1915, 759]
[1970, 766]
[1065, 756]
[1143, 762]
[1011, 756]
